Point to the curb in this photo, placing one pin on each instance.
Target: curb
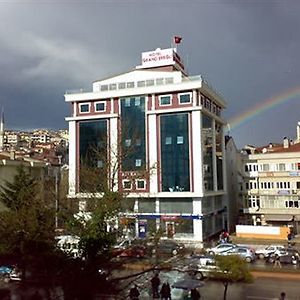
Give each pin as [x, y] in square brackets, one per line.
[281, 275]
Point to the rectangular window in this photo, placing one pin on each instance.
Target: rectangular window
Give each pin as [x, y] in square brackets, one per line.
[104, 87]
[121, 85]
[298, 166]
[169, 80]
[140, 184]
[130, 85]
[298, 185]
[159, 81]
[168, 140]
[128, 142]
[138, 162]
[100, 106]
[84, 107]
[126, 184]
[149, 82]
[100, 163]
[137, 101]
[265, 167]
[127, 102]
[180, 140]
[141, 83]
[165, 100]
[281, 167]
[112, 86]
[138, 142]
[185, 98]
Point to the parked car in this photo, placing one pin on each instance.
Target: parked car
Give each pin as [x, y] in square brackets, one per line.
[286, 256]
[204, 267]
[69, 244]
[221, 248]
[267, 251]
[10, 273]
[131, 251]
[244, 252]
[169, 247]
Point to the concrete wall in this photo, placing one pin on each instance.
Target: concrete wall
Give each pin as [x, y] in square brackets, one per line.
[262, 232]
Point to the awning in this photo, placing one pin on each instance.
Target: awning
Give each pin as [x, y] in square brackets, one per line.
[279, 217]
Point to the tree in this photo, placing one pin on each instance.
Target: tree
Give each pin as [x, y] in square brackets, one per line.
[27, 225]
[231, 269]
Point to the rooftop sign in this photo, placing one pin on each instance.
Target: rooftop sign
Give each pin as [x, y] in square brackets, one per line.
[158, 57]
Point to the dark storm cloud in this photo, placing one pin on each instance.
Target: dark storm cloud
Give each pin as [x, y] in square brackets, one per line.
[248, 50]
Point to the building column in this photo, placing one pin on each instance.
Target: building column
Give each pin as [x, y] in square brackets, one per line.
[197, 223]
[114, 168]
[152, 138]
[197, 163]
[72, 158]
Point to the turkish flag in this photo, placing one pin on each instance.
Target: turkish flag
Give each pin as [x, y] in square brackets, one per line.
[177, 39]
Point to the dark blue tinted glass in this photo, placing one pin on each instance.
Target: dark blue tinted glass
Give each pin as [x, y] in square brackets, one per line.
[175, 153]
[133, 133]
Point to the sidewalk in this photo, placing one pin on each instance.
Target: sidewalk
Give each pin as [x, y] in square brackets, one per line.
[276, 274]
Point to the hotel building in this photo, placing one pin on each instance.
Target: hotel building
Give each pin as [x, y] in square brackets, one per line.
[171, 127]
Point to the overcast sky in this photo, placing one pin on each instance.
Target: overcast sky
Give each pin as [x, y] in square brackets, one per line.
[248, 50]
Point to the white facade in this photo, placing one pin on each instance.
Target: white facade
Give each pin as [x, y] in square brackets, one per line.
[187, 202]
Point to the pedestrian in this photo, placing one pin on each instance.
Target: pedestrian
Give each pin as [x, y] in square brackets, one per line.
[195, 295]
[277, 262]
[165, 292]
[134, 293]
[282, 296]
[155, 282]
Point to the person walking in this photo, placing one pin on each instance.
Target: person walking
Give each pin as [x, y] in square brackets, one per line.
[282, 296]
[134, 293]
[155, 282]
[165, 292]
[277, 262]
[195, 295]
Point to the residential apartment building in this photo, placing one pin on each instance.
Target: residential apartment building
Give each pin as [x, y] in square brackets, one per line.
[271, 188]
[169, 126]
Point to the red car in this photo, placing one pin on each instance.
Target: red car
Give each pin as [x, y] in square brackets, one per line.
[131, 251]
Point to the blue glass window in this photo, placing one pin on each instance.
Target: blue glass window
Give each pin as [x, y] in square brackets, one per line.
[207, 142]
[165, 100]
[185, 98]
[84, 108]
[93, 149]
[175, 171]
[100, 106]
[133, 133]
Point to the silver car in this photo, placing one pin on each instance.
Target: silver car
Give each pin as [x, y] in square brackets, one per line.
[244, 252]
[220, 249]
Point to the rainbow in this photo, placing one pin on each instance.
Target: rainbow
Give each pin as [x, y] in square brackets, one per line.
[264, 106]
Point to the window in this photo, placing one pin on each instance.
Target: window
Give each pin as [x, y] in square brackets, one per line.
[159, 81]
[298, 185]
[149, 82]
[127, 184]
[180, 140]
[168, 140]
[137, 101]
[265, 167]
[281, 167]
[104, 87]
[169, 80]
[185, 98]
[140, 184]
[138, 162]
[164, 100]
[128, 142]
[141, 83]
[122, 85]
[130, 84]
[138, 142]
[84, 107]
[100, 106]
[113, 86]
[127, 102]
[100, 163]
